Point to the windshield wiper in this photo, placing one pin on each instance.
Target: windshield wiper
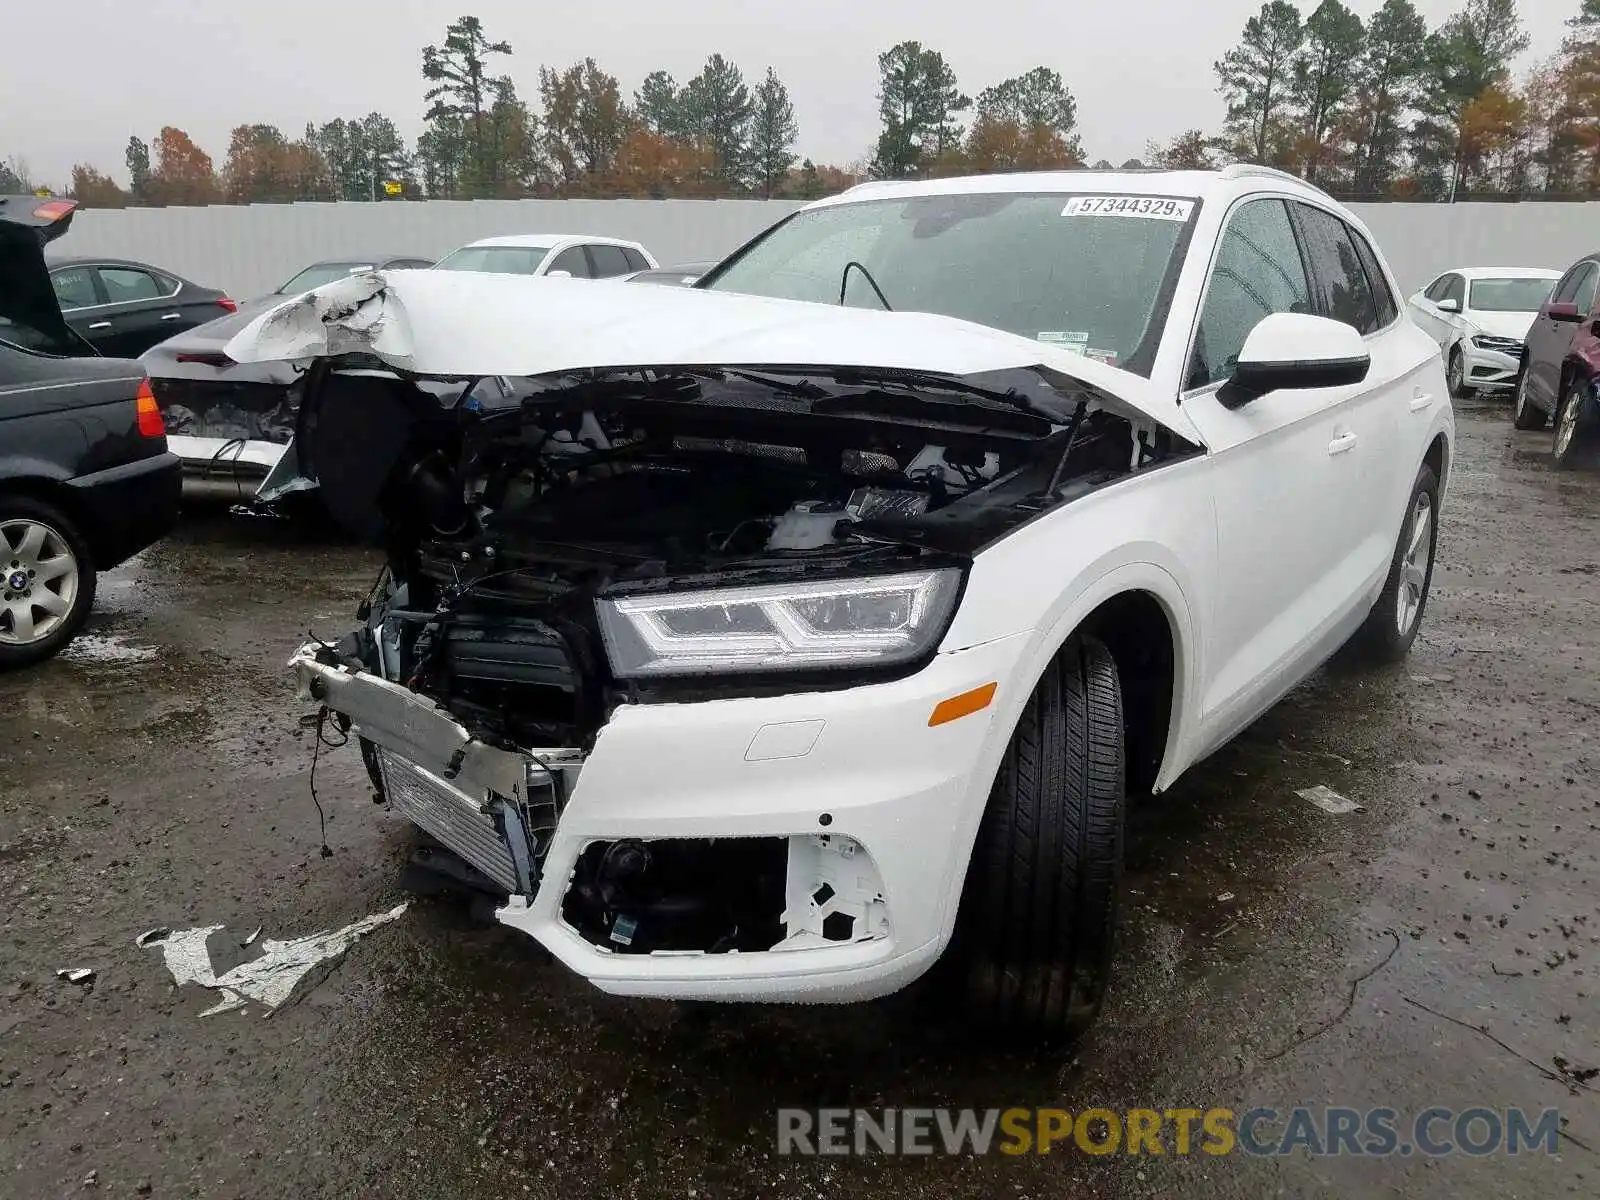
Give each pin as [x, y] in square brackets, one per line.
[844, 280]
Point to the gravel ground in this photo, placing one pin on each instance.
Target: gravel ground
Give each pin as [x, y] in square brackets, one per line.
[1272, 954]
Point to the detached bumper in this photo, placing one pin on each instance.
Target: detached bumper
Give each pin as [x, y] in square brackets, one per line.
[128, 508]
[877, 810]
[1489, 369]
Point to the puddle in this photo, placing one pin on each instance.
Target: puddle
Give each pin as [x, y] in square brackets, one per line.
[96, 648]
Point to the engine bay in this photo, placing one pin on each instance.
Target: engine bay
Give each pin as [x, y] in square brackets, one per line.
[505, 524]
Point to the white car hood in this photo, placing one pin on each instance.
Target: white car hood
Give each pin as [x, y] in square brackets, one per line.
[449, 323]
[1502, 324]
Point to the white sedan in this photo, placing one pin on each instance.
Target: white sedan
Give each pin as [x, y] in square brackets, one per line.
[1480, 316]
[790, 634]
[582, 256]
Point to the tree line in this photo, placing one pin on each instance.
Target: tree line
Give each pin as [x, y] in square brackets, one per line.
[1381, 108]
[1388, 108]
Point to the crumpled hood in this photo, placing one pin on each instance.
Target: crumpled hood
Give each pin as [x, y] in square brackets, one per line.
[451, 323]
[1502, 324]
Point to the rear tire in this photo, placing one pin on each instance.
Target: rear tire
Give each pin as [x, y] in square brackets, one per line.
[1391, 627]
[1524, 414]
[1576, 423]
[47, 581]
[1035, 931]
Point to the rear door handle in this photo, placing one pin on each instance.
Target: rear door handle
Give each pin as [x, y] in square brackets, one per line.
[101, 325]
[1421, 401]
[170, 316]
[1345, 441]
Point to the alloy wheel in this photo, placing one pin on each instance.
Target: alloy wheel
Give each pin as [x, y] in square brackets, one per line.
[39, 580]
[1567, 427]
[1414, 565]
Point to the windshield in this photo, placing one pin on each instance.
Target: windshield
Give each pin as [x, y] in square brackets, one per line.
[1084, 273]
[503, 260]
[318, 274]
[1510, 295]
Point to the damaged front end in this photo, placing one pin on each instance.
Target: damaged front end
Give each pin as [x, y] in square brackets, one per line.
[599, 539]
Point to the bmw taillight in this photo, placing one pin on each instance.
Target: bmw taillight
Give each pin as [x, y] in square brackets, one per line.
[150, 422]
[230, 305]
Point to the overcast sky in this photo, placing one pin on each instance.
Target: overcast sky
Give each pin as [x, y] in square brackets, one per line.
[78, 79]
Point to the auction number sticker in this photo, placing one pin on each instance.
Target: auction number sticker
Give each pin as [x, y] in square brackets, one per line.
[1128, 206]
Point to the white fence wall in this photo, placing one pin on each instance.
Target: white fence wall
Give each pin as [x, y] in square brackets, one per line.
[248, 250]
[251, 249]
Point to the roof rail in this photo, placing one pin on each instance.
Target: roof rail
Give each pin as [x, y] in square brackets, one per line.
[1247, 170]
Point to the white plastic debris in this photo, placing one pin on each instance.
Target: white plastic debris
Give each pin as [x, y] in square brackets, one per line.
[1329, 801]
[244, 944]
[78, 975]
[1225, 897]
[151, 935]
[268, 980]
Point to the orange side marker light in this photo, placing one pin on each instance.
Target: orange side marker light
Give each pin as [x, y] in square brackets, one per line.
[963, 705]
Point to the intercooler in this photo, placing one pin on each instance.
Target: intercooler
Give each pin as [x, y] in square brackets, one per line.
[450, 815]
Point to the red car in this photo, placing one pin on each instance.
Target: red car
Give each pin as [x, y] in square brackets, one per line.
[1561, 365]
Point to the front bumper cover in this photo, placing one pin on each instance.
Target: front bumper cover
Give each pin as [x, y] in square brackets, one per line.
[870, 782]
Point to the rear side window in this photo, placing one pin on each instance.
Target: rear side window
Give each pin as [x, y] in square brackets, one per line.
[123, 285]
[74, 287]
[572, 261]
[1258, 272]
[1343, 291]
[608, 261]
[636, 260]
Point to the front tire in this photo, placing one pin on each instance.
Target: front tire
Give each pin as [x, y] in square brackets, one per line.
[1392, 625]
[1034, 935]
[1456, 375]
[47, 581]
[1575, 426]
[1524, 414]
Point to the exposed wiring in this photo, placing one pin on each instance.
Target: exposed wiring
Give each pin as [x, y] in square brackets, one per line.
[318, 721]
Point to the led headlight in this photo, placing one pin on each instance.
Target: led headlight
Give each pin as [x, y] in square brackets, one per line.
[872, 621]
[1487, 341]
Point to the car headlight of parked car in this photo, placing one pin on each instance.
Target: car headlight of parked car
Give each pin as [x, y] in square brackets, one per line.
[872, 621]
[1504, 345]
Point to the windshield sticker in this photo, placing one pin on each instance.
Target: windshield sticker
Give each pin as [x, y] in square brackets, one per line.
[1109, 357]
[1076, 341]
[1128, 206]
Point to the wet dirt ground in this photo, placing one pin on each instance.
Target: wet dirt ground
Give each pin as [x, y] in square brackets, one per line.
[1272, 954]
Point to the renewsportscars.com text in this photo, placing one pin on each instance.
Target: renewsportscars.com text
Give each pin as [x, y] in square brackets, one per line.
[1374, 1132]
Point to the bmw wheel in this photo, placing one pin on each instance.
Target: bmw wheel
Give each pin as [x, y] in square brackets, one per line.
[47, 581]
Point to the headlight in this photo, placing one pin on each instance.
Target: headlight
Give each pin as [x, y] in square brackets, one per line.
[875, 621]
[1485, 341]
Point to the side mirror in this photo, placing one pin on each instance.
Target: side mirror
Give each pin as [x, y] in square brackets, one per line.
[1449, 306]
[1296, 350]
[558, 274]
[1563, 310]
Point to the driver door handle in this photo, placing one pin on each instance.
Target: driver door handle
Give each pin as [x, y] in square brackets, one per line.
[1345, 441]
[170, 316]
[101, 325]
